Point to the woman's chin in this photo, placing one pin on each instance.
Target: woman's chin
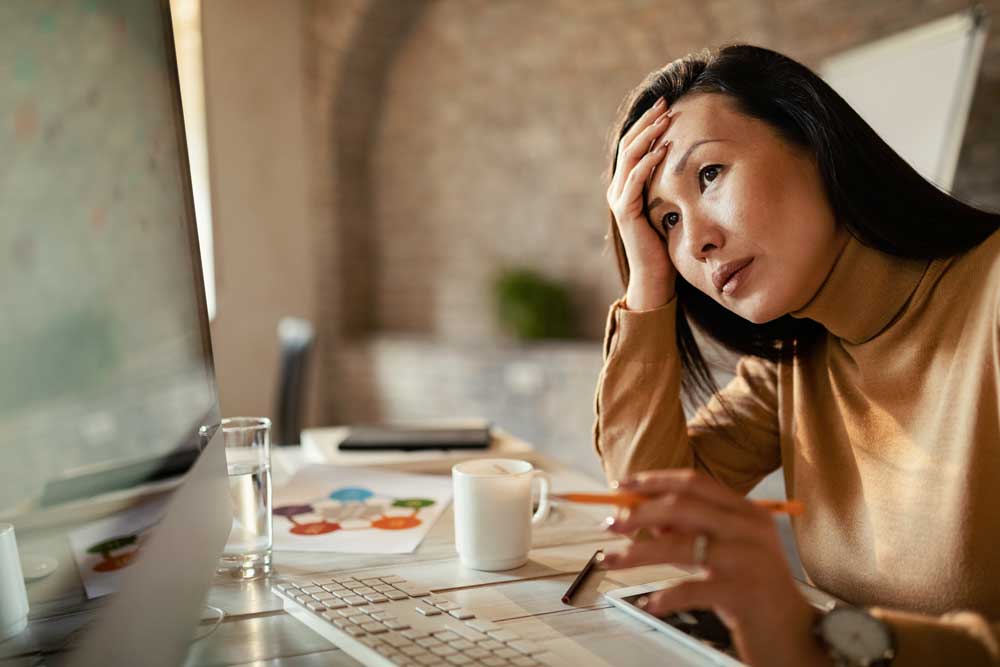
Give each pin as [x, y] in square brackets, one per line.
[756, 312]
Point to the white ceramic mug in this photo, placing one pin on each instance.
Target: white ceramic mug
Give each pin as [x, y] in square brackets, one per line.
[13, 595]
[493, 517]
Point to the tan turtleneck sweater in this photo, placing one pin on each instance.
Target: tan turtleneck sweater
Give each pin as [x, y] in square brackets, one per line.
[888, 431]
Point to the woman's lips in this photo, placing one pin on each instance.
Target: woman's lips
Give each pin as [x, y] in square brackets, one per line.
[736, 278]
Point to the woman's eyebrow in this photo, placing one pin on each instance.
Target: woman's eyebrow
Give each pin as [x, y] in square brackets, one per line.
[679, 167]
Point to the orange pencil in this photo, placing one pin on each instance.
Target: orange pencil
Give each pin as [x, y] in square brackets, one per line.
[626, 499]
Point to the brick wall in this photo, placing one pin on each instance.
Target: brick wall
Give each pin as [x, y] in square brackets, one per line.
[457, 137]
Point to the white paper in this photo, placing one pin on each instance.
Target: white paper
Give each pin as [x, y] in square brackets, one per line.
[357, 510]
[122, 535]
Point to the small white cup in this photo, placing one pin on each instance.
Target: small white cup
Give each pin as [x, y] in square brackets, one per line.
[493, 517]
[13, 595]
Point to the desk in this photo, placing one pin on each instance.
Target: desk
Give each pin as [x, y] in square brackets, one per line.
[527, 600]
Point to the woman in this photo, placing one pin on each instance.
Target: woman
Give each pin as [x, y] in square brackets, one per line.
[749, 199]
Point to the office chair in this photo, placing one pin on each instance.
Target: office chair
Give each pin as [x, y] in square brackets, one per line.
[295, 337]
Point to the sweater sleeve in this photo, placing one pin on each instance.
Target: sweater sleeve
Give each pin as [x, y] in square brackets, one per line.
[640, 424]
[958, 638]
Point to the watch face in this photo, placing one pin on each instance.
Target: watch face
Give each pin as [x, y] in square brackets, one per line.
[856, 635]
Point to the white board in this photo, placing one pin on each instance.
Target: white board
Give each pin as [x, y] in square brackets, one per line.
[915, 89]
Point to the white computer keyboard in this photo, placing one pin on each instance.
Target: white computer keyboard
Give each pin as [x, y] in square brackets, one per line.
[386, 622]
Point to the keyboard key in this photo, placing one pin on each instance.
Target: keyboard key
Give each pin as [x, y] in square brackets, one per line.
[382, 588]
[322, 582]
[490, 644]
[472, 635]
[376, 598]
[333, 588]
[427, 659]
[323, 597]
[413, 650]
[523, 661]
[334, 604]
[396, 595]
[355, 600]
[393, 580]
[525, 647]
[387, 651]
[330, 616]
[303, 598]
[461, 614]
[354, 631]
[476, 653]
[434, 601]
[398, 641]
[353, 585]
[396, 625]
[446, 636]
[503, 635]
[482, 625]
[461, 644]
[342, 580]
[283, 586]
[427, 611]
[368, 581]
[346, 613]
[443, 650]
[363, 590]
[506, 653]
[414, 591]
[415, 634]
[361, 619]
[370, 642]
[428, 642]
[315, 606]
[493, 662]
[381, 615]
[311, 589]
[342, 623]
[458, 660]
[374, 627]
[444, 605]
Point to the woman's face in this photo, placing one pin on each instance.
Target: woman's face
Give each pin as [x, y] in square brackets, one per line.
[731, 196]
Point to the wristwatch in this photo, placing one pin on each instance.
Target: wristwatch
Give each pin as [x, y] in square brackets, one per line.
[855, 638]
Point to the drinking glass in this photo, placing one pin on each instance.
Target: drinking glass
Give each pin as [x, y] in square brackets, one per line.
[247, 441]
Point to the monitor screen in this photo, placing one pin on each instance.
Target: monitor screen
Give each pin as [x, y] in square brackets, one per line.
[105, 355]
[106, 369]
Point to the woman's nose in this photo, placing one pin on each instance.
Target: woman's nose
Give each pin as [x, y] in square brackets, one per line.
[704, 237]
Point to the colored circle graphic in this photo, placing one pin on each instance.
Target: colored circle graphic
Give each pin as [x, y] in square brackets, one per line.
[396, 522]
[413, 503]
[351, 493]
[289, 511]
[315, 528]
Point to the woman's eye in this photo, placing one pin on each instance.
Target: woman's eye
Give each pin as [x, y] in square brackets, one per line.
[709, 173]
[671, 219]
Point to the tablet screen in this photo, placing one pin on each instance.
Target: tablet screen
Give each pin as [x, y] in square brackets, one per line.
[701, 624]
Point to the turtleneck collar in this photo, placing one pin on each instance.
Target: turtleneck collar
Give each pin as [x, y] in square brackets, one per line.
[864, 292]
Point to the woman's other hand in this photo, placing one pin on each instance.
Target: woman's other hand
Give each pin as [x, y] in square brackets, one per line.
[693, 520]
[651, 274]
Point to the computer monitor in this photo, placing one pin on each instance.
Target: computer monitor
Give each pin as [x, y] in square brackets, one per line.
[106, 368]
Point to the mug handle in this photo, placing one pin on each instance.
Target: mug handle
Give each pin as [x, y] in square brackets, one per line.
[543, 497]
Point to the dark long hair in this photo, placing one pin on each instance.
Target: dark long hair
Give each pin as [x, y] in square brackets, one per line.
[880, 199]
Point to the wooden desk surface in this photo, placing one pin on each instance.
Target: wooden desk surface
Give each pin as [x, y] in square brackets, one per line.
[257, 631]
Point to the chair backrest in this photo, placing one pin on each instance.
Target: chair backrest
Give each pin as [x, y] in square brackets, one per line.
[296, 337]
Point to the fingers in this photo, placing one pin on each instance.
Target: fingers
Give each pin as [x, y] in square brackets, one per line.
[642, 123]
[684, 481]
[635, 144]
[690, 514]
[686, 595]
[678, 548]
